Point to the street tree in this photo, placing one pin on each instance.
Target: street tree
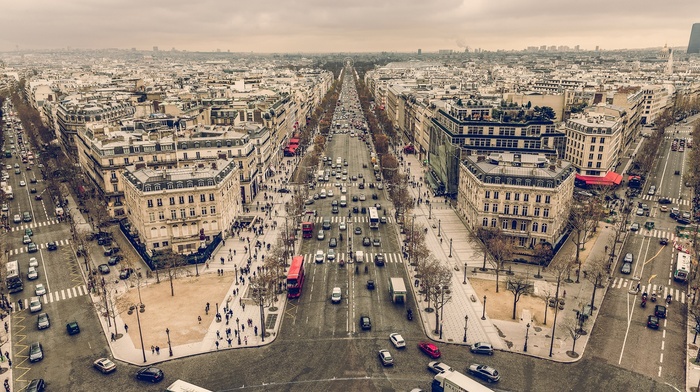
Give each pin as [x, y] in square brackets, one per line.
[437, 279]
[576, 330]
[558, 268]
[390, 167]
[173, 263]
[595, 273]
[543, 255]
[381, 144]
[583, 218]
[275, 261]
[497, 245]
[518, 287]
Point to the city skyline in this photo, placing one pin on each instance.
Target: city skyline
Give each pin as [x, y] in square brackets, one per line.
[360, 26]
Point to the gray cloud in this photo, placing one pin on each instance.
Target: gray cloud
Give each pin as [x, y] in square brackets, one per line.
[358, 25]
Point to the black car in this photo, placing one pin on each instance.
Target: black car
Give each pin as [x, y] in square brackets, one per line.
[111, 251]
[283, 190]
[370, 284]
[151, 374]
[358, 230]
[113, 260]
[332, 243]
[366, 241]
[52, 246]
[663, 241]
[73, 328]
[375, 196]
[362, 185]
[653, 322]
[355, 210]
[125, 273]
[364, 210]
[37, 385]
[365, 322]
[104, 268]
[32, 190]
[660, 311]
[354, 198]
[379, 259]
[664, 200]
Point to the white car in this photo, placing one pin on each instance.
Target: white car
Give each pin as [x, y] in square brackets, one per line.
[343, 190]
[5, 207]
[39, 289]
[439, 367]
[397, 340]
[336, 295]
[363, 197]
[22, 183]
[320, 257]
[343, 226]
[331, 254]
[32, 273]
[26, 239]
[34, 304]
[330, 193]
[33, 262]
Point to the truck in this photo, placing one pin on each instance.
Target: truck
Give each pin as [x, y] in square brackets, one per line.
[7, 189]
[453, 381]
[397, 290]
[359, 256]
[307, 229]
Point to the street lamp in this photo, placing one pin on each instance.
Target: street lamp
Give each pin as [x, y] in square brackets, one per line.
[465, 273]
[439, 226]
[238, 331]
[450, 248]
[430, 211]
[466, 320]
[527, 332]
[170, 347]
[483, 313]
[138, 322]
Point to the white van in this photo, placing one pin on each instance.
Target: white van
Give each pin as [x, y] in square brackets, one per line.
[323, 194]
[343, 201]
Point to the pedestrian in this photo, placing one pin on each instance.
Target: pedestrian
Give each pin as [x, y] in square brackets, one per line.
[158, 350]
[199, 318]
[217, 344]
[9, 361]
[243, 306]
[153, 349]
[222, 261]
[256, 330]
[113, 339]
[242, 327]
[244, 338]
[564, 293]
[218, 336]
[6, 327]
[126, 328]
[229, 342]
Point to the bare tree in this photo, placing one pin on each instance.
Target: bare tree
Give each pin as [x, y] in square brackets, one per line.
[173, 264]
[547, 296]
[595, 273]
[437, 279]
[583, 219]
[498, 245]
[576, 330]
[559, 268]
[275, 261]
[518, 287]
[543, 255]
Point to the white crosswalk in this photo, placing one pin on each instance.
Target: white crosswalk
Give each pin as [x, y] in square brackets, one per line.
[671, 236]
[369, 256]
[353, 219]
[23, 249]
[34, 225]
[674, 201]
[661, 291]
[60, 295]
[331, 184]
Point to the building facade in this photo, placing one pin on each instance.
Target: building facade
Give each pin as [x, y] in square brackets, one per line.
[593, 143]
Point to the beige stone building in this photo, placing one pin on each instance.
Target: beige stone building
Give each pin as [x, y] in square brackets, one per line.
[182, 208]
[593, 142]
[527, 196]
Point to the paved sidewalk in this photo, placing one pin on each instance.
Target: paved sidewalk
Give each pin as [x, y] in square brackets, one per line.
[447, 235]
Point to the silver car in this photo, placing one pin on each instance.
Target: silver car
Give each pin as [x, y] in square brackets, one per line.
[36, 352]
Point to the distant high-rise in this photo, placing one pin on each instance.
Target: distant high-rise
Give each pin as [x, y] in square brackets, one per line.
[694, 44]
[420, 51]
[155, 48]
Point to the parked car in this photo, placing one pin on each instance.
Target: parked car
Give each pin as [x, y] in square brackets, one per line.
[32, 248]
[36, 385]
[482, 348]
[113, 260]
[42, 321]
[483, 371]
[124, 273]
[151, 374]
[36, 352]
[103, 268]
[32, 273]
[430, 349]
[39, 289]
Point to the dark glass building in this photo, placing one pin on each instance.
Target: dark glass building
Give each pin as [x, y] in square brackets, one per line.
[694, 44]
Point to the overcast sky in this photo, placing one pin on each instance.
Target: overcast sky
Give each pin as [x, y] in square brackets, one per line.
[347, 26]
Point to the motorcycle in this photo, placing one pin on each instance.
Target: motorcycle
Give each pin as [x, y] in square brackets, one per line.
[409, 314]
[668, 299]
[653, 297]
[342, 263]
[644, 302]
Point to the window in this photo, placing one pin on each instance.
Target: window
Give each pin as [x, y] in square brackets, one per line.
[150, 203]
[487, 195]
[192, 211]
[523, 226]
[182, 213]
[494, 207]
[115, 188]
[181, 199]
[593, 139]
[526, 196]
[504, 225]
[485, 222]
[590, 156]
[211, 197]
[535, 226]
[151, 217]
[507, 195]
[547, 199]
[126, 161]
[600, 156]
[517, 197]
[592, 148]
[602, 140]
[495, 194]
[537, 211]
[161, 215]
[544, 227]
[486, 207]
[212, 209]
[172, 201]
[190, 198]
[515, 210]
[514, 225]
[173, 214]
[159, 202]
[204, 210]
[538, 198]
[493, 222]
[111, 162]
[600, 149]
[597, 165]
[545, 212]
[524, 210]
[202, 198]
[506, 209]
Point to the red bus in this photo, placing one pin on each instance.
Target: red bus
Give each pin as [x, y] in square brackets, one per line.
[307, 229]
[295, 277]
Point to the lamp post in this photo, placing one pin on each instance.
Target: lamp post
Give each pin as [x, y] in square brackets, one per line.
[439, 226]
[238, 331]
[483, 313]
[196, 264]
[465, 273]
[527, 332]
[430, 211]
[170, 347]
[138, 322]
[450, 255]
[466, 320]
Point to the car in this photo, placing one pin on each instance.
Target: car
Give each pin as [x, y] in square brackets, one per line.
[321, 235]
[17, 218]
[660, 311]
[429, 349]
[482, 348]
[33, 262]
[337, 185]
[640, 211]
[664, 200]
[283, 190]
[5, 207]
[36, 385]
[343, 190]
[36, 352]
[355, 210]
[355, 198]
[652, 322]
[626, 268]
[32, 248]
[52, 246]
[380, 186]
[634, 226]
[629, 257]
[363, 197]
[382, 220]
[360, 175]
[363, 210]
[366, 241]
[331, 254]
[152, 374]
[379, 259]
[483, 371]
[361, 185]
[332, 243]
[334, 209]
[103, 268]
[385, 358]
[26, 216]
[376, 242]
[73, 328]
[663, 241]
[32, 273]
[111, 251]
[34, 304]
[104, 365]
[22, 183]
[675, 211]
[330, 193]
[663, 208]
[26, 239]
[39, 289]
[42, 321]
[32, 190]
[370, 284]
[33, 180]
[309, 201]
[439, 367]
[358, 230]
[375, 196]
[342, 225]
[316, 196]
[336, 295]
[17, 171]
[353, 178]
[28, 232]
[124, 273]
[397, 340]
[365, 322]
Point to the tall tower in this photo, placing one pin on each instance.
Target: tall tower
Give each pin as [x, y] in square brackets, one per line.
[669, 64]
[694, 44]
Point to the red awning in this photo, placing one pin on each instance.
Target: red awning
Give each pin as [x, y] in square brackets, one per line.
[611, 178]
[81, 189]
